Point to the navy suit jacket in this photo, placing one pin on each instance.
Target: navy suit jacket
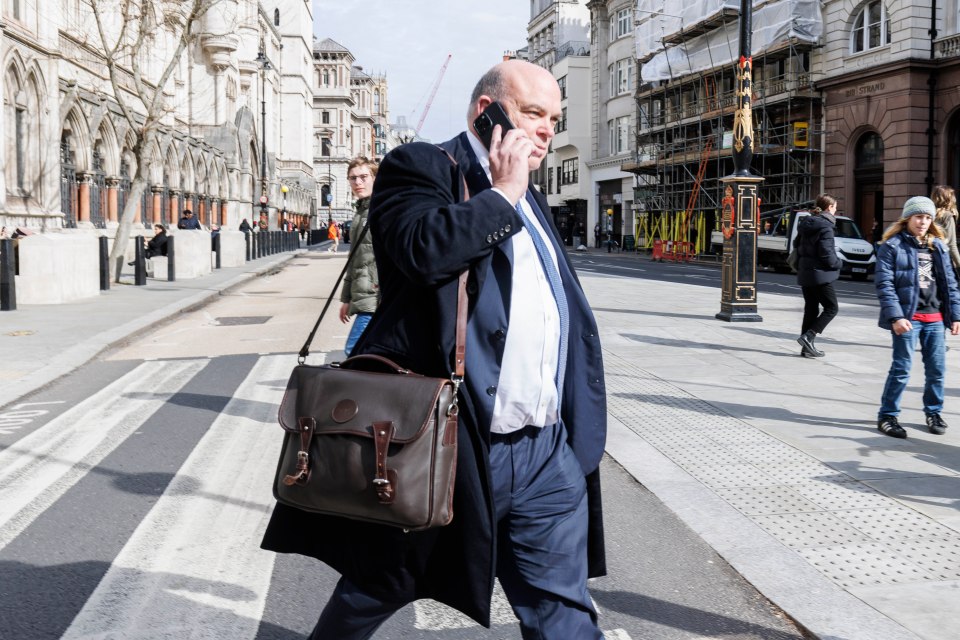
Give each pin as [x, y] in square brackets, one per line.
[425, 233]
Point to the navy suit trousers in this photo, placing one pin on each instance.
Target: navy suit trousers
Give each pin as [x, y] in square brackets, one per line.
[541, 504]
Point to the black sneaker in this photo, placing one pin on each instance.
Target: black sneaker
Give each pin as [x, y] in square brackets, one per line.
[890, 426]
[935, 424]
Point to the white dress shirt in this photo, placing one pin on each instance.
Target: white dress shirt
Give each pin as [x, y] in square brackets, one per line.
[527, 389]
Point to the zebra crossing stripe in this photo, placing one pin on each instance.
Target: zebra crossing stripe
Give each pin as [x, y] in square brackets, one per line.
[40, 467]
[193, 568]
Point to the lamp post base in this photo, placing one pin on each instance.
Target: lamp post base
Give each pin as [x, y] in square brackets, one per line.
[739, 315]
[738, 295]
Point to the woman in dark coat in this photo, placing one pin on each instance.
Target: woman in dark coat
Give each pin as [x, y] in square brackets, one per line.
[157, 245]
[819, 266]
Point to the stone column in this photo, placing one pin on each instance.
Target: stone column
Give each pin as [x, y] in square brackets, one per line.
[155, 192]
[113, 186]
[83, 196]
[174, 213]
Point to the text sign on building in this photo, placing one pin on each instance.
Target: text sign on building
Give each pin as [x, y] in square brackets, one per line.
[864, 89]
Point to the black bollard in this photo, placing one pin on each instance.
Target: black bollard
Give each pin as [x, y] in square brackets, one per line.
[171, 259]
[216, 248]
[246, 242]
[8, 271]
[139, 263]
[104, 264]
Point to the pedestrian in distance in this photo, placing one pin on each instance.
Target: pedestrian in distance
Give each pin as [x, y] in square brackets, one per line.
[245, 226]
[918, 296]
[945, 199]
[333, 235]
[361, 286]
[155, 246]
[817, 270]
[188, 220]
[596, 235]
[532, 404]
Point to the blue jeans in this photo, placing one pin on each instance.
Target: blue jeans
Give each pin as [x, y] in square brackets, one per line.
[360, 322]
[930, 335]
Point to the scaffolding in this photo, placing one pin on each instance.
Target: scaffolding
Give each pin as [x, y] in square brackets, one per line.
[685, 123]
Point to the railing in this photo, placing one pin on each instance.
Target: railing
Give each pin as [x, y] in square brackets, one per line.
[948, 47]
[573, 48]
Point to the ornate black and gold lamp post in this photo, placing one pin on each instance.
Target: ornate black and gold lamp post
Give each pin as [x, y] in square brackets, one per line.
[738, 297]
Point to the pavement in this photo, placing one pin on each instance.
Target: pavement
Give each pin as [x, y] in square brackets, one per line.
[773, 459]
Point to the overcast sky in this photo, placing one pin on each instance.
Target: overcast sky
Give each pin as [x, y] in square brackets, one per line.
[408, 40]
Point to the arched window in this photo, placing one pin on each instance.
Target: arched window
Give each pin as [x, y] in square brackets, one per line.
[276, 17]
[871, 29]
[326, 77]
[869, 151]
[376, 102]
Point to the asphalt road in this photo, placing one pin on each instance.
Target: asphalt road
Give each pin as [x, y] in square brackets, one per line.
[133, 499]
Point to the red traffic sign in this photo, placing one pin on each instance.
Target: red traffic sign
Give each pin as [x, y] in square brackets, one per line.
[263, 199]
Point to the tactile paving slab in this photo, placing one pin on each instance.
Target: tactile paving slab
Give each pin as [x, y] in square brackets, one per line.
[851, 533]
[864, 565]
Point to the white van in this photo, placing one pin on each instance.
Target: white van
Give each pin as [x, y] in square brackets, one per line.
[774, 243]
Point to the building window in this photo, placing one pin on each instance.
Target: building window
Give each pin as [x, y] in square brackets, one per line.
[325, 147]
[562, 122]
[568, 173]
[622, 25]
[869, 150]
[276, 17]
[325, 117]
[563, 87]
[619, 132]
[871, 29]
[621, 77]
[326, 77]
[549, 181]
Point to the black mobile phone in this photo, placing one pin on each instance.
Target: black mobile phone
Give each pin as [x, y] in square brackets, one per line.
[493, 115]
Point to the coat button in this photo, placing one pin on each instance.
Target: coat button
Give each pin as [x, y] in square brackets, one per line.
[499, 333]
[489, 239]
[472, 288]
[491, 391]
[507, 228]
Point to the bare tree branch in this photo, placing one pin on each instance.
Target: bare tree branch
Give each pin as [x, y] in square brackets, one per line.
[140, 20]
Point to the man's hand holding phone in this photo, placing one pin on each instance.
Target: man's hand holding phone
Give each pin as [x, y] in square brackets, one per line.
[510, 151]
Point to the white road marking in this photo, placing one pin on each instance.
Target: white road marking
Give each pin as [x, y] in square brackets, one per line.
[431, 615]
[193, 568]
[40, 467]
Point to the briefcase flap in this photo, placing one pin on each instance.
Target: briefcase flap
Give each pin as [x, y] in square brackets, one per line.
[344, 401]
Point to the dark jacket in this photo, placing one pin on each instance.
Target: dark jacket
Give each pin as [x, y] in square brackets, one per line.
[819, 263]
[361, 286]
[897, 280]
[425, 235]
[188, 223]
[157, 245]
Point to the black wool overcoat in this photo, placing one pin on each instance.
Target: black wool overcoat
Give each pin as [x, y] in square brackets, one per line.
[425, 235]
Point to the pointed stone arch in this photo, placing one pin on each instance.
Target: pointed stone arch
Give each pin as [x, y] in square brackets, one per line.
[24, 103]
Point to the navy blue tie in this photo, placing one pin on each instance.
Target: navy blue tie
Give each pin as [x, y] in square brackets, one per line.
[556, 285]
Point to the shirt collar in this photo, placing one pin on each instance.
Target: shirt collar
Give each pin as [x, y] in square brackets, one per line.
[480, 151]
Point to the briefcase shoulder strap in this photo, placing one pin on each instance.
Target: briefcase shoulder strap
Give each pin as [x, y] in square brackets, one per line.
[460, 350]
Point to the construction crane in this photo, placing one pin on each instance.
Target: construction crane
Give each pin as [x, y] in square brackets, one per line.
[433, 92]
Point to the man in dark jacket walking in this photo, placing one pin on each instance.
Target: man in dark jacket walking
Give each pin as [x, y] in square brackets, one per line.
[532, 407]
[819, 267]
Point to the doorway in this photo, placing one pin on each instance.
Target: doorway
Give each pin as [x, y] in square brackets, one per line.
[868, 175]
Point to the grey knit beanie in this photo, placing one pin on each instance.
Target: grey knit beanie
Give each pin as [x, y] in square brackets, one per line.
[918, 205]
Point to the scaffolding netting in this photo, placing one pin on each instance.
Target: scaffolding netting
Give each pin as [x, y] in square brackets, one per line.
[700, 35]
